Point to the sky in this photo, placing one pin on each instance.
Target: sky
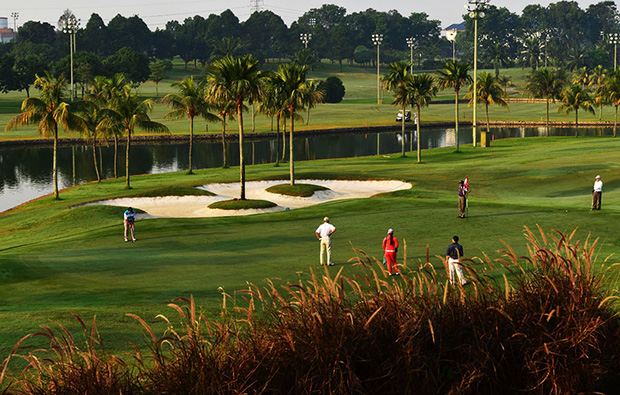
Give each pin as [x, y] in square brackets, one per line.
[157, 12]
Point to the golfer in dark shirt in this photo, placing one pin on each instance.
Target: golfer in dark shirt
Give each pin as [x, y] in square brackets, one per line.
[454, 254]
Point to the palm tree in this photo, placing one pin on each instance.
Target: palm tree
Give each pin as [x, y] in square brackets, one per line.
[423, 89]
[597, 80]
[613, 93]
[311, 97]
[575, 97]
[489, 92]
[294, 87]
[546, 83]
[132, 113]
[189, 102]
[48, 111]
[225, 110]
[236, 79]
[273, 105]
[394, 81]
[103, 91]
[454, 75]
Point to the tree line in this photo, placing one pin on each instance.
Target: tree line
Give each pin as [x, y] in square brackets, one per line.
[561, 35]
[112, 109]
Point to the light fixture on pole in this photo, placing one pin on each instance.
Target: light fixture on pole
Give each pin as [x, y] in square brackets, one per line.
[411, 44]
[476, 10]
[614, 38]
[376, 40]
[451, 36]
[15, 16]
[305, 38]
[70, 28]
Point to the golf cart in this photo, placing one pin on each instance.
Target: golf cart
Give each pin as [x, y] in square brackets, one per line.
[399, 117]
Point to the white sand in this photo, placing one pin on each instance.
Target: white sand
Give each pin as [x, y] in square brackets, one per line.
[197, 206]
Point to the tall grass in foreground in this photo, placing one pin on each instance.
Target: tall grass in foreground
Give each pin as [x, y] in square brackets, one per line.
[551, 330]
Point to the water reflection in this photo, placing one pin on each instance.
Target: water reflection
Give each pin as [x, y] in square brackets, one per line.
[25, 173]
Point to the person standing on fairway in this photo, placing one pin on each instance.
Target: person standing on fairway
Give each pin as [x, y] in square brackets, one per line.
[462, 198]
[129, 222]
[323, 233]
[597, 193]
[390, 248]
[453, 258]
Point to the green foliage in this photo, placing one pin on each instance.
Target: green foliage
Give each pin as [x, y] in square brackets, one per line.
[299, 190]
[334, 89]
[246, 204]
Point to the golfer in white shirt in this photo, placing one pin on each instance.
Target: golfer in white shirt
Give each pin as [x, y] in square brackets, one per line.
[323, 233]
[597, 193]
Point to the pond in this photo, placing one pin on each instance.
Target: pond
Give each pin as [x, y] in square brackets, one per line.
[25, 173]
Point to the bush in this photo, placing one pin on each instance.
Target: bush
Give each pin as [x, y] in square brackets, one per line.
[333, 88]
[552, 331]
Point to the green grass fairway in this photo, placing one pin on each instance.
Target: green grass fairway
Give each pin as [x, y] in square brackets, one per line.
[55, 260]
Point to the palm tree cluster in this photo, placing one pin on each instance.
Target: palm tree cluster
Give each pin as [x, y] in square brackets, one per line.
[586, 89]
[112, 108]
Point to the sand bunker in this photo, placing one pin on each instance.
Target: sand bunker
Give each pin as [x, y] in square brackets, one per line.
[197, 206]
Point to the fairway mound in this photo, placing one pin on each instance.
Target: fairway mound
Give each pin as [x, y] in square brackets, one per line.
[299, 190]
[198, 206]
[237, 204]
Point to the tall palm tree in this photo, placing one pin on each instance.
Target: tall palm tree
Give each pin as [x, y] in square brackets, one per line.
[225, 110]
[596, 80]
[190, 102]
[454, 75]
[312, 96]
[273, 105]
[98, 124]
[294, 87]
[48, 111]
[132, 113]
[546, 83]
[613, 93]
[237, 80]
[575, 97]
[394, 82]
[489, 92]
[103, 91]
[422, 89]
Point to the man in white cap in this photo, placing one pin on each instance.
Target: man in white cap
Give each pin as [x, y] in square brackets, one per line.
[323, 233]
[597, 194]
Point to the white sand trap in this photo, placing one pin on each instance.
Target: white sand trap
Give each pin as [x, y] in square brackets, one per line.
[197, 206]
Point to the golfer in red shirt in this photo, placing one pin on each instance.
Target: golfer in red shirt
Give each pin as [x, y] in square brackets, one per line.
[390, 248]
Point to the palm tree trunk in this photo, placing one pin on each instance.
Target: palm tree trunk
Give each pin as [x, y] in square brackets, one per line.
[54, 168]
[115, 155]
[100, 158]
[547, 122]
[456, 119]
[576, 122]
[600, 113]
[191, 143]
[127, 185]
[241, 162]
[95, 161]
[253, 119]
[487, 114]
[418, 139]
[277, 140]
[308, 116]
[290, 145]
[283, 139]
[224, 153]
[402, 133]
[615, 120]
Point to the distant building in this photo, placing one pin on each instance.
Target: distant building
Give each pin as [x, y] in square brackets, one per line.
[6, 34]
[451, 31]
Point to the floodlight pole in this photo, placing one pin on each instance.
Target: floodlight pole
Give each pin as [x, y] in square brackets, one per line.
[476, 10]
[411, 44]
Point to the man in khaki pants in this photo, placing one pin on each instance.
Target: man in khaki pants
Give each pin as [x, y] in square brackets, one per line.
[323, 233]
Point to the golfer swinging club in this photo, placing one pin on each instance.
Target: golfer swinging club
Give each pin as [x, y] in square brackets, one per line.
[129, 222]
